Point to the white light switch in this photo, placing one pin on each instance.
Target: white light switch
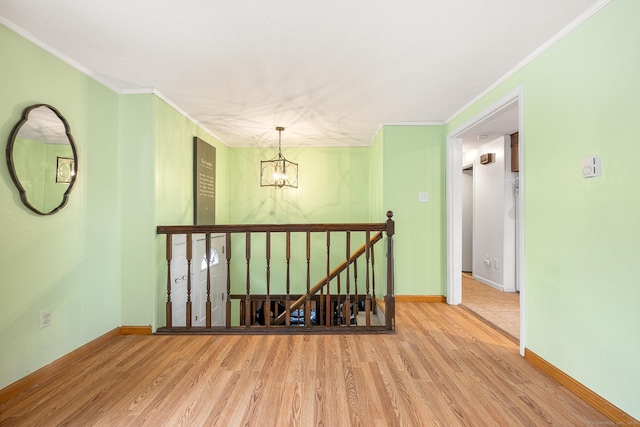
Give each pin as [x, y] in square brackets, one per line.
[591, 167]
[423, 196]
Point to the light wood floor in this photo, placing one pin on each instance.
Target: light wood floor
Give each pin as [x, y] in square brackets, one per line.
[501, 309]
[443, 366]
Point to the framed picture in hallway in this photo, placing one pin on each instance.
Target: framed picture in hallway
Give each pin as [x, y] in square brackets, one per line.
[64, 169]
[204, 182]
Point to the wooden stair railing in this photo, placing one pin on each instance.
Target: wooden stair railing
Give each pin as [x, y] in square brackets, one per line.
[330, 306]
[325, 280]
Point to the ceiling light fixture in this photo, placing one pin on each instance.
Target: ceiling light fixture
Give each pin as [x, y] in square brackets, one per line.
[278, 172]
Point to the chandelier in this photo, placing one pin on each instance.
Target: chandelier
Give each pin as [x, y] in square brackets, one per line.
[278, 172]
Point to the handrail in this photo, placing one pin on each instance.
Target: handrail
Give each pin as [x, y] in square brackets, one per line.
[323, 282]
[263, 228]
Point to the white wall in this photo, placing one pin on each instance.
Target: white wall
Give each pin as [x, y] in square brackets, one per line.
[494, 217]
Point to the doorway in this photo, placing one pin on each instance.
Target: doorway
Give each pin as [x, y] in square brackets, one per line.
[505, 116]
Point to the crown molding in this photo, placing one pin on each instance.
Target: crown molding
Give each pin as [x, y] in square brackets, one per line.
[33, 39]
[539, 51]
[412, 123]
[88, 72]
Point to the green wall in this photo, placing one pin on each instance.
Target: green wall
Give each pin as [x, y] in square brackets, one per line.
[582, 236]
[413, 163]
[376, 178]
[137, 209]
[347, 185]
[95, 264]
[67, 262]
[156, 188]
[172, 182]
[333, 187]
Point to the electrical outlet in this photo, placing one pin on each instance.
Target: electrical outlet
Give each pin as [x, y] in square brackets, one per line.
[495, 263]
[45, 318]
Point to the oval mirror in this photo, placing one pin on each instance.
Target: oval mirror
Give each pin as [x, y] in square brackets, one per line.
[42, 159]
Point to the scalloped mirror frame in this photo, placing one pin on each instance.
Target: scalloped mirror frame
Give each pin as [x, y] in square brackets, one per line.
[11, 165]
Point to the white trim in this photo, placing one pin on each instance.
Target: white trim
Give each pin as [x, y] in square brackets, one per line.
[33, 39]
[383, 124]
[141, 91]
[412, 123]
[157, 93]
[533, 55]
[175, 106]
[454, 203]
[520, 229]
[488, 282]
[375, 134]
[453, 182]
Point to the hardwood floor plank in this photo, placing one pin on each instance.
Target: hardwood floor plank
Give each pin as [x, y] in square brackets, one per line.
[289, 411]
[221, 399]
[442, 367]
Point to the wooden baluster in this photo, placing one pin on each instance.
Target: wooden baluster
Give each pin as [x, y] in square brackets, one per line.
[321, 316]
[168, 307]
[355, 285]
[247, 302]
[374, 302]
[242, 310]
[267, 310]
[307, 304]
[328, 296]
[254, 307]
[288, 297]
[189, 255]
[276, 310]
[347, 298]
[228, 297]
[389, 306]
[208, 258]
[367, 301]
[339, 309]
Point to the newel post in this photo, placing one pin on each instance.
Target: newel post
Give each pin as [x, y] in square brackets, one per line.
[390, 300]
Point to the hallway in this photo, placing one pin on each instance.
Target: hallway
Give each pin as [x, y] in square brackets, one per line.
[500, 309]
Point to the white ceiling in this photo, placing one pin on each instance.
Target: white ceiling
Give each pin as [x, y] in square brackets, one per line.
[44, 125]
[331, 72]
[504, 122]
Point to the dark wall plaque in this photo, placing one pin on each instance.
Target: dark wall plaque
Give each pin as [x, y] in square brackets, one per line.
[204, 182]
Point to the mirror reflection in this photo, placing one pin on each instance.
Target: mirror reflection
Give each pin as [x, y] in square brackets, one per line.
[42, 159]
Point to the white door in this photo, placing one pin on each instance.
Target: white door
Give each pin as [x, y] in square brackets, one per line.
[218, 271]
[179, 281]
[218, 280]
[199, 282]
